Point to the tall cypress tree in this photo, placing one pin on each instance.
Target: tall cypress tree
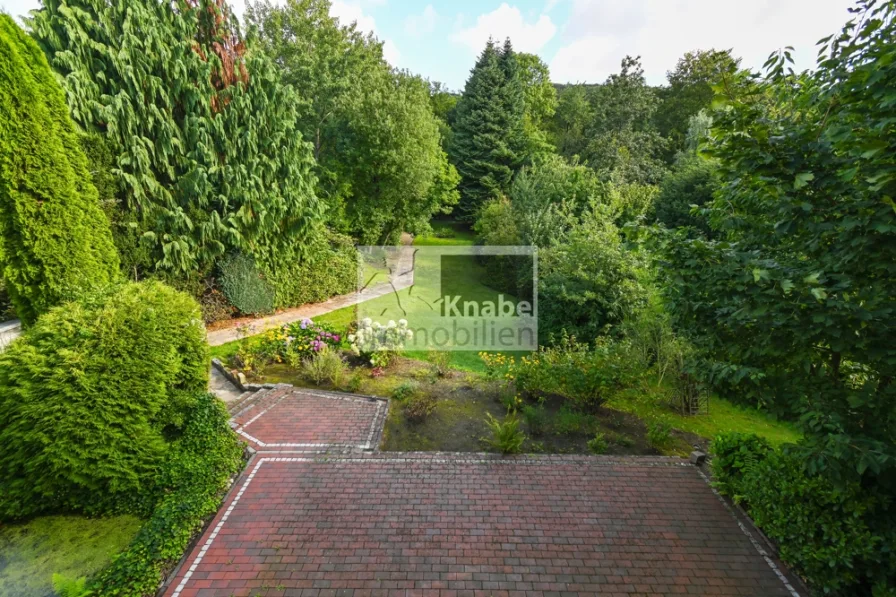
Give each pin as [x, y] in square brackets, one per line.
[489, 140]
[54, 238]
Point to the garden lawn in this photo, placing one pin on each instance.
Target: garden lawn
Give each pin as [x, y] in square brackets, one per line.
[74, 546]
[724, 416]
[447, 234]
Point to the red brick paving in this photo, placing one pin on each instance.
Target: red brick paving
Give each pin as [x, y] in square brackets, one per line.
[294, 419]
[454, 525]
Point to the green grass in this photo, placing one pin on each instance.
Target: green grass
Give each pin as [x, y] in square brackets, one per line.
[723, 416]
[461, 235]
[73, 546]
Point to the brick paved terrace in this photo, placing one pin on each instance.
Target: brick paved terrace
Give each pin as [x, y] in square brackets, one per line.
[359, 523]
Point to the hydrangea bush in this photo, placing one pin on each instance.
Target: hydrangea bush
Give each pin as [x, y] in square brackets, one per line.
[377, 343]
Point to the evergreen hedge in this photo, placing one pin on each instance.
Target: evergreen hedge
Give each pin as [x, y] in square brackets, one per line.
[56, 242]
[91, 397]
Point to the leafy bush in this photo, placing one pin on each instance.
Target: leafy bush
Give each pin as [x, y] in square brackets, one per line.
[404, 391]
[507, 438]
[659, 431]
[732, 455]
[440, 361]
[189, 489]
[244, 287]
[569, 421]
[91, 394]
[328, 268]
[587, 284]
[837, 536]
[419, 406]
[536, 418]
[54, 238]
[378, 344]
[326, 365]
[598, 444]
[690, 184]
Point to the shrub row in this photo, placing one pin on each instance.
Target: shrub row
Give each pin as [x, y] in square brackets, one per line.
[840, 536]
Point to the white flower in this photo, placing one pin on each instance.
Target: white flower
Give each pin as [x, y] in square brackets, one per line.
[351, 337]
[366, 322]
[403, 323]
[391, 324]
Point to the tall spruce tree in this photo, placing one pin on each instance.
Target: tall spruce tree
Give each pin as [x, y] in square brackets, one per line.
[489, 141]
[55, 240]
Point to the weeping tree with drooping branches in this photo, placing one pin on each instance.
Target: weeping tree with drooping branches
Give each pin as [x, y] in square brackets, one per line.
[206, 152]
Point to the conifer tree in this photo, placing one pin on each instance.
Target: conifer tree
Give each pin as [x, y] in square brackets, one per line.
[203, 132]
[489, 141]
[54, 238]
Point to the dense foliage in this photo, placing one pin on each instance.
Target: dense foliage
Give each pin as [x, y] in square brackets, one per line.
[838, 536]
[245, 287]
[188, 490]
[54, 238]
[794, 305]
[377, 143]
[91, 396]
[204, 136]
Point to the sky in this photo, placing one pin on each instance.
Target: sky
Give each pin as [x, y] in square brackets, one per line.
[580, 40]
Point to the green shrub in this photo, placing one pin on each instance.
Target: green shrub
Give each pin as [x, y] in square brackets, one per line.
[244, 287]
[354, 383]
[91, 394]
[324, 366]
[732, 455]
[190, 488]
[536, 418]
[569, 422]
[419, 406]
[329, 269]
[838, 535]
[440, 361]
[690, 183]
[507, 438]
[64, 586]
[598, 444]
[55, 240]
[587, 284]
[404, 391]
[659, 431]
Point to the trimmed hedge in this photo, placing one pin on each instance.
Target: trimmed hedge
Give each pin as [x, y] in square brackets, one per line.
[244, 286]
[91, 397]
[191, 487]
[331, 270]
[56, 241]
[840, 537]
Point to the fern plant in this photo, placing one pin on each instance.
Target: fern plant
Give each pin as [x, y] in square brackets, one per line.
[507, 438]
[64, 586]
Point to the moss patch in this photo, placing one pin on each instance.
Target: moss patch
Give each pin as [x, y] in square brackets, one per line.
[74, 546]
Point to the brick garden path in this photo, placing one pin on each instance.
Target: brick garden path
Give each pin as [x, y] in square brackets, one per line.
[317, 514]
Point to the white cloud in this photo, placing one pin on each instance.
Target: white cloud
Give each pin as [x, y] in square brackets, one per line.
[507, 21]
[352, 12]
[349, 12]
[422, 24]
[601, 32]
[391, 53]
